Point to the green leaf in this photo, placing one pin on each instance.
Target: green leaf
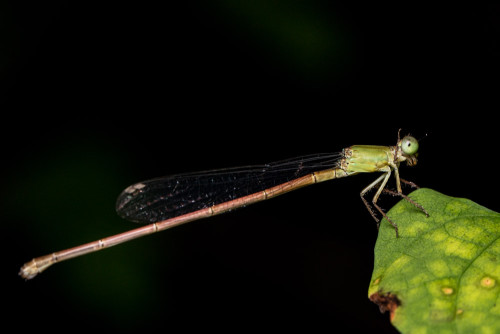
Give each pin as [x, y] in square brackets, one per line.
[442, 275]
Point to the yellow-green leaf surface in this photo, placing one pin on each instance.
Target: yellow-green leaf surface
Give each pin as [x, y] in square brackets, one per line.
[442, 275]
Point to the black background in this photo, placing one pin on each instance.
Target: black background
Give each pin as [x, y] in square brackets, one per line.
[96, 96]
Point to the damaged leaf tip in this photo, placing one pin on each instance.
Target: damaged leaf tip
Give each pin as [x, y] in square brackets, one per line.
[386, 302]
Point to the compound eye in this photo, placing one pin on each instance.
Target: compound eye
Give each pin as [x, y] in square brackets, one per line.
[409, 145]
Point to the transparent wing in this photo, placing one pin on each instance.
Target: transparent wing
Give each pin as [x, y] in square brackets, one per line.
[162, 198]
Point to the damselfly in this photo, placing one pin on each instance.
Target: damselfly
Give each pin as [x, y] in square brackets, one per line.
[170, 201]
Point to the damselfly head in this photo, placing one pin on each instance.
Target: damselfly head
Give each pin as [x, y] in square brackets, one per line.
[409, 145]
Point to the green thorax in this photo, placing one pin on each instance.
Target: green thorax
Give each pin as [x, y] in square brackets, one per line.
[367, 158]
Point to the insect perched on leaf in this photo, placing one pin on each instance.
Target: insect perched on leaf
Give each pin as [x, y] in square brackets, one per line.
[170, 201]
